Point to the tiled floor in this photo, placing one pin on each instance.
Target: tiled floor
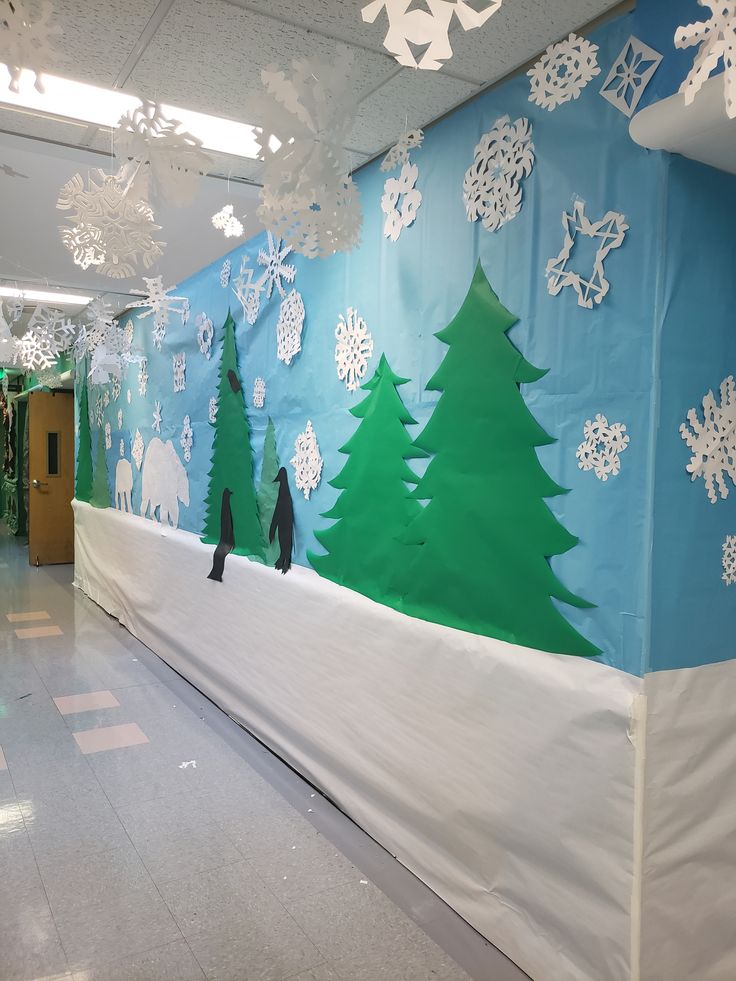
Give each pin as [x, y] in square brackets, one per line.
[144, 836]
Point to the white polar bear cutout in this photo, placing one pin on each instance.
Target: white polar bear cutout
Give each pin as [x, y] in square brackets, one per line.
[165, 482]
[124, 485]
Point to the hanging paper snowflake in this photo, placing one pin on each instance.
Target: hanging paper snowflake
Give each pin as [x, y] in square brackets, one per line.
[138, 449]
[227, 223]
[729, 560]
[212, 412]
[398, 155]
[108, 228]
[601, 447]
[492, 184]
[717, 40]
[205, 334]
[353, 349]
[259, 392]
[185, 311]
[115, 389]
[122, 447]
[15, 306]
[275, 267]
[108, 436]
[120, 418]
[400, 201]
[630, 74]
[289, 327]
[27, 42]
[590, 286]
[179, 365]
[143, 377]
[159, 303]
[563, 71]
[225, 273]
[157, 417]
[426, 28]
[159, 152]
[128, 332]
[187, 439]
[307, 461]
[248, 291]
[713, 442]
[49, 334]
[49, 378]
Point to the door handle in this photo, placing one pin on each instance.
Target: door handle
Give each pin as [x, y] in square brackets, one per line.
[39, 483]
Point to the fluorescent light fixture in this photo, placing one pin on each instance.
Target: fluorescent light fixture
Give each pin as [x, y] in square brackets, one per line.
[97, 106]
[47, 296]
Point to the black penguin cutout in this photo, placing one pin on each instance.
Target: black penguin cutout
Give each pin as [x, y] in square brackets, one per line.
[234, 381]
[283, 522]
[227, 538]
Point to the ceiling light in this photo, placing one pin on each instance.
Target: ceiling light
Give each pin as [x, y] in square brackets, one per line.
[46, 296]
[97, 106]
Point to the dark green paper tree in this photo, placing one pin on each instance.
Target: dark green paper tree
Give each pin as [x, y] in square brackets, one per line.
[268, 491]
[232, 460]
[83, 481]
[483, 541]
[100, 497]
[375, 505]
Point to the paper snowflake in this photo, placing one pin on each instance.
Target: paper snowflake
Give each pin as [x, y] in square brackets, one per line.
[129, 396]
[492, 187]
[602, 446]
[15, 306]
[48, 334]
[157, 301]
[120, 418]
[398, 155]
[116, 388]
[185, 311]
[187, 438]
[353, 349]
[99, 412]
[108, 436]
[259, 392]
[630, 74]
[48, 378]
[225, 273]
[122, 447]
[426, 28]
[27, 42]
[563, 71]
[107, 228]
[248, 291]
[307, 461]
[205, 334]
[212, 412]
[717, 40]
[138, 449]
[179, 366]
[289, 327]
[143, 377]
[226, 222]
[275, 269]
[729, 560]
[106, 399]
[159, 153]
[590, 286]
[315, 225]
[400, 202]
[713, 442]
[157, 417]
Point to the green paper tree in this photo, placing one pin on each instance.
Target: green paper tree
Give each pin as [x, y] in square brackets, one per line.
[375, 505]
[268, 491]
[83, 481]
[232, 460]
[483, 541]
[100, 497]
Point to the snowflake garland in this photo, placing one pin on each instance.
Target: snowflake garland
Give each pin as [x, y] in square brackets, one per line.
[143, 377]
[492, 187]
[353, 349]
[27, 43]
[289, 327]
[226, 222]
[205, 334]
[307, 461]
[729, 560]
[562, 72]
[248, 291]
[179, 368]
[157, 417]
[212, 410]
[630, 74]
[590, 287]
[716, 38]
[602, 446]
[713, 442]
[225, 273]
[259, 392]
[400, 202]
[187, 438]
[275, 269]
[398, 155]
[138, 449]
[159, 303]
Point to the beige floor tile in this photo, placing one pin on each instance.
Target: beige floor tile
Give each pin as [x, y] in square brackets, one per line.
[110, 737]
[28, 617]
[29, 633]
[88, 702]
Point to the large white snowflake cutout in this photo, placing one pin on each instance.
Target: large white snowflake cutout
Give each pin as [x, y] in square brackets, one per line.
[248, 291]
[259, 392]
[713, 442]
[492, 186]
[157, 301]
[400, 202]
[179, 366]
[590, 287]
[26, 42]
[717, 40]
[276, 269]
[289, 327]
[226, 222]
[426, 28]
[49, 334]
[398, 155]
[563, 71]
[630, 74]
[602, 446]
[143, 377]
[307, 461]
[187, 438]
[353, 349]
[157, 417]
[225, 273]
[138, 449]
[205, 334]
[729, 560]
[212, 410]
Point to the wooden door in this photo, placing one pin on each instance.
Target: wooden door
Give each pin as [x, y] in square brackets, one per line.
[50, 477]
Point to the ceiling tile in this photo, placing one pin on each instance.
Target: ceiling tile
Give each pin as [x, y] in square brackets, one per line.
[41, 127]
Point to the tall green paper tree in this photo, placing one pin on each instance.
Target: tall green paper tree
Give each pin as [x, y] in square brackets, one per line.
[268, 491]
[375, 505]
[83, 481]
[100, 497]
[232, 460]
[483, 541]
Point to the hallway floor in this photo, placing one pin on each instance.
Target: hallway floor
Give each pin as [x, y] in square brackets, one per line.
[144, 836]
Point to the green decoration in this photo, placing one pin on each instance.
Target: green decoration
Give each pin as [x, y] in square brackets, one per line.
[268, 491]
[482, 542]
[232, 460]
[375, 505]
[83, 482]
[100, 497]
